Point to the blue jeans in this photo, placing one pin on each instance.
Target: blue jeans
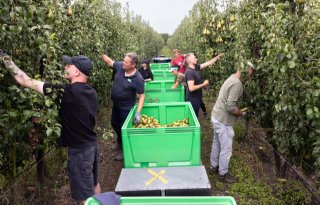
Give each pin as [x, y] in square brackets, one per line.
[221, 150]
[117, 120]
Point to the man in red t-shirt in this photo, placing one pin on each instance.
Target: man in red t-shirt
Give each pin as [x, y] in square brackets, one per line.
[178, 61]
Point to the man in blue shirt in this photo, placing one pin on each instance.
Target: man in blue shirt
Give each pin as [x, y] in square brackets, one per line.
[128, 82]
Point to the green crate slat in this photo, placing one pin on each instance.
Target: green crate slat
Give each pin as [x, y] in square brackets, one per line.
[160, 66]
[208, 200]
[162, 75]
[161, 91]
[214, 200]
[164, 146]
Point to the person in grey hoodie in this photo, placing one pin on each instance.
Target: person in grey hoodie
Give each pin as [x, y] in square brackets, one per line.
[223, 117]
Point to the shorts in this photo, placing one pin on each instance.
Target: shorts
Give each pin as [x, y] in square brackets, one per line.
[83, 171]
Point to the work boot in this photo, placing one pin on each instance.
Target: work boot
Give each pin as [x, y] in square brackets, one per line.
[214, 170]
[227, 178]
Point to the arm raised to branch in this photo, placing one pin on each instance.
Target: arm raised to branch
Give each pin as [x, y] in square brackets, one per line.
[20, 76]
[211, 62]
[107, 59]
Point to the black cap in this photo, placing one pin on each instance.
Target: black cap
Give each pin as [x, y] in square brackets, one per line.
[83, 63]
[145, 62]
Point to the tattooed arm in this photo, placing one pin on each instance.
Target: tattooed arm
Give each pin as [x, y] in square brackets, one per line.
[20, 76]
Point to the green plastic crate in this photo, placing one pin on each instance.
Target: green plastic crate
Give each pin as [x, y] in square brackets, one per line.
[160, 66]
[163, 146]
[207, 200]
[214, 200]
[162, 75]
[161, 91]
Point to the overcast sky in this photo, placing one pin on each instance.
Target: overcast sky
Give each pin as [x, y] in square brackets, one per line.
[164, 16]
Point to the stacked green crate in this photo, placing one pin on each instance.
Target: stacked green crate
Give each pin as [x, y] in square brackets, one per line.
[162, 75]
[213, 200]
[160, 66]
[162, 146]
[162, 91]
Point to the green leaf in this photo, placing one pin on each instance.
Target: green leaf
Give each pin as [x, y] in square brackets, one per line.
[49, 132]
[12, 14]
[291, 64]
[309, 112]
[48, 102]
[289, 56]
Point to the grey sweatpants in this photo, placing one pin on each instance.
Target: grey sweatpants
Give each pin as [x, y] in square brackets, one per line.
[221, 150]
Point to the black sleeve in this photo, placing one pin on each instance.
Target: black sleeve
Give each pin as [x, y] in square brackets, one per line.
[48, 88]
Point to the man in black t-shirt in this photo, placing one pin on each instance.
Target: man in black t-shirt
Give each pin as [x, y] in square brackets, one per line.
[128, 82]
[78, 108]
[194, 81]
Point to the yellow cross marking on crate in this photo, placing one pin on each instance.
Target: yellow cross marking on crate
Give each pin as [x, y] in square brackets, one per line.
[156, 176]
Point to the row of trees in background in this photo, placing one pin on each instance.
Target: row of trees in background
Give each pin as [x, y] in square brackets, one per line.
[281, 37]
[37, 33]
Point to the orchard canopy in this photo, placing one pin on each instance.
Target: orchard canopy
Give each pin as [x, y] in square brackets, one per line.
[282, 39]
[36, 33]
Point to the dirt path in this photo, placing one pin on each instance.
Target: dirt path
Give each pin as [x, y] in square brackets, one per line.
[251, 151]
[110, 169]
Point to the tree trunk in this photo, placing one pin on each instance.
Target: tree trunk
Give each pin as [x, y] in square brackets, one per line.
[42, 170]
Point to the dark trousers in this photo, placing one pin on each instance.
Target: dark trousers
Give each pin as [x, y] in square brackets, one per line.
[117, 119]
[195, 104]
[83, 170]
[203, 106]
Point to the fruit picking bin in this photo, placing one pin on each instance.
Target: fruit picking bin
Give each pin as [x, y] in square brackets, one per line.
[214, 200]
[162, 146]
[208, 200]
[161, 91]
[162, 75]
[160, 66]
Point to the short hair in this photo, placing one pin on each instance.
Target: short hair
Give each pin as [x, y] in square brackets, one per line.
[146, 62]
[133, 57]
[186, 59]
[175, 50]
